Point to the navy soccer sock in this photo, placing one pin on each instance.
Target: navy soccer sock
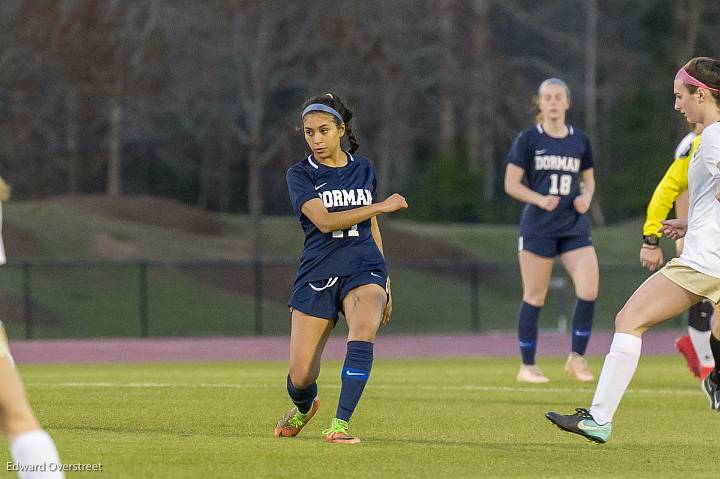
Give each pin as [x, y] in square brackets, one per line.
[355, 374]
[582, 325]
[302, 398]
[528, 331]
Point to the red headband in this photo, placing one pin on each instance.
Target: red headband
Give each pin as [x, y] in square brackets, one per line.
[685, 77]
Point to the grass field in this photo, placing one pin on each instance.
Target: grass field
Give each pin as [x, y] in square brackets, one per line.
[418, 418]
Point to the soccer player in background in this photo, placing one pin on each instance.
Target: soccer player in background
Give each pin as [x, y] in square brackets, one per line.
[695, 346]
[32, 449]
[556, 160]
[683, 281]
[342, 268]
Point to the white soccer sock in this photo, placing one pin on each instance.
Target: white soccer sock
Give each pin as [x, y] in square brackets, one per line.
[617, 372]
[701, 343]
[36, 449]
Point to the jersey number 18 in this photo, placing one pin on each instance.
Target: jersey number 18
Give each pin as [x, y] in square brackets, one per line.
[563, 188]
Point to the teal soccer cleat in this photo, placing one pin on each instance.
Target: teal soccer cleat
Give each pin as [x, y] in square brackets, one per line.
[583, 424]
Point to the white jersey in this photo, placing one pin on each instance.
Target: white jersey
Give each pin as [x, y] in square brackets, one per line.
[702, 243]
[683, 148]
[3, 260]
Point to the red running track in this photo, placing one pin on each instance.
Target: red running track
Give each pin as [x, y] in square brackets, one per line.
[276, 348]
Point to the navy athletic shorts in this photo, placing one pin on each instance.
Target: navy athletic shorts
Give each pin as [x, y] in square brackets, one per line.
[323, 299]
[550, 247]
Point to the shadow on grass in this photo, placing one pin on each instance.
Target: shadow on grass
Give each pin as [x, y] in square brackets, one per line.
[512, 447]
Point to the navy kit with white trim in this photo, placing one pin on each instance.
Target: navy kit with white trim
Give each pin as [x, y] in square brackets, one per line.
[332, 261]
[553, 167]
[323, 299]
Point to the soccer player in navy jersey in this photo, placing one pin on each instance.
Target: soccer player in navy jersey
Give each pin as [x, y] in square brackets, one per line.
[556, 161]
[342, 268]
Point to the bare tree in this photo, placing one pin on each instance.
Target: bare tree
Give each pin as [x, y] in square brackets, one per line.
[197, 86]
[390, 53]
[101, 47]
[591, 87]
[28, 99]
[687, 15]
[206, 87]
[446, 10]
[265, 54]
[482, 105]
[136, 23]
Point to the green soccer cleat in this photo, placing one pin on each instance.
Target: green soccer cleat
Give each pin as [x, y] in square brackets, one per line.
[582, 423]
[293, 421]
[338, 433]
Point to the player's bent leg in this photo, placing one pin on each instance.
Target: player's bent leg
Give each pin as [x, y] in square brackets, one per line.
[29, 444]
[699, 319]
[711, 383]
[308, 337]
[363, 306]
[4, 345]
[535, 271]
[695, 346]
[656, 300]
[15, 412]
[16, 417]
[582, 266]
[685, 347]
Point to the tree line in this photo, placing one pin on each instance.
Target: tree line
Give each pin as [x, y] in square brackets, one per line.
[199, 101]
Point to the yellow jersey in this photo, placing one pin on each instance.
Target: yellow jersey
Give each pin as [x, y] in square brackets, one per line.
[670, 187]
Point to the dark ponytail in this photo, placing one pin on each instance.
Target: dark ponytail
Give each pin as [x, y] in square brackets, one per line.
[334, 102]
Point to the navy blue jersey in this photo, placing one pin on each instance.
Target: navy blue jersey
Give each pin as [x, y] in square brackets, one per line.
[552, 167]
[343, 252]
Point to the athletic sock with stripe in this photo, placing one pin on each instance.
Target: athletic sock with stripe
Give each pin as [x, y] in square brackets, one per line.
[528, 317]
[582, 325]
[355, 374]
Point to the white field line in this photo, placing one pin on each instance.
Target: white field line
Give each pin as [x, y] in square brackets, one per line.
[423, 387]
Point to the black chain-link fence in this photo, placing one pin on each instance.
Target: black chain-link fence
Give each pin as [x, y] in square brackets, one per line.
[58, 299]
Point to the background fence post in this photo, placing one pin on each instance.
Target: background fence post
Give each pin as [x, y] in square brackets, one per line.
[258, 270]
[474, 300]
[27, 287]
[143, 298]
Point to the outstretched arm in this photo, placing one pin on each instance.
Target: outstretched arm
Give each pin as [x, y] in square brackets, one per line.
[326, 222]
